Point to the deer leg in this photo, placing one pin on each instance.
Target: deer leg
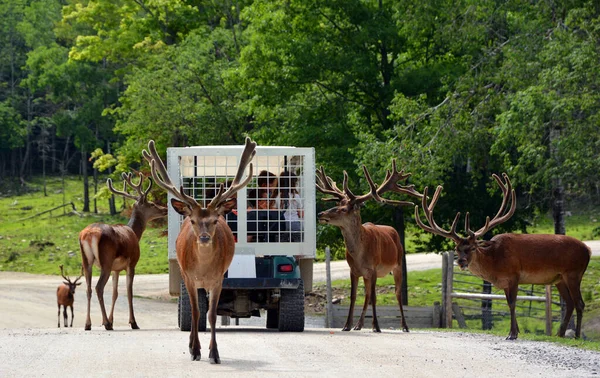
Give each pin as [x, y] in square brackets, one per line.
[397, 272]
[361, 321]
[194, 345]
[130, 275]
[213, 355]
[373, 301]
[115, 294]
[511, 298]
[58, 316]
[566, 296]
[88, 282]
[72, 316]
[100, 293]
[353, 285]
[65, 317]
[573, 285]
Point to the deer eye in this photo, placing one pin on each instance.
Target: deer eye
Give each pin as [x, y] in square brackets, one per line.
[215, 221]
[192, 221]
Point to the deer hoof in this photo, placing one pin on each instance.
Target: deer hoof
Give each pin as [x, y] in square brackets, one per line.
[213, 357]
[511, 337]
[195, 355]
[134, 326]
[346, 329]
[88, 327]
[108, 326]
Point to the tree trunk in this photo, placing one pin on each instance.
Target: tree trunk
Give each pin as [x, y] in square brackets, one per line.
[401, 228]
[86, 185]
[111, 199]
[27, 144]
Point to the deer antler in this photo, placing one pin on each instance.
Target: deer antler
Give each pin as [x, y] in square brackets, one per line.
[327, 186]
[164, 181]
[67, 278]
[127, 180]
[390, 184]
[428, 210]
[507, 191]
[236, 185]
[157, 168]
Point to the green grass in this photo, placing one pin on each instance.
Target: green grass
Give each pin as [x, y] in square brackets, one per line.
[39, 245]
[582, 225]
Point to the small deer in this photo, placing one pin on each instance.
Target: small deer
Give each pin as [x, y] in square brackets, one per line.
[508, 260]
[64, 295]
[114, 248]
[371, 250]
[205, 245]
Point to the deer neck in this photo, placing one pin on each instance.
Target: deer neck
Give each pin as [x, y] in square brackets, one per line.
[137, 223]
[353, 231]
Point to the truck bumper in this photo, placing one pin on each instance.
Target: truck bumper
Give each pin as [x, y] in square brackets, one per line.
[261, 283]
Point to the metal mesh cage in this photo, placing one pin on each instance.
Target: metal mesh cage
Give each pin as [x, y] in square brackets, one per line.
[273, 215]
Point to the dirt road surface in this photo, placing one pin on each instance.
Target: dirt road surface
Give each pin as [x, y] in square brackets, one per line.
[253, 352]
[31, 344]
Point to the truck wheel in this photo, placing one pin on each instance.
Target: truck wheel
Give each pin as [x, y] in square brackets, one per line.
[272, 319]
[291, 310]
[185, 310]
[203, 304]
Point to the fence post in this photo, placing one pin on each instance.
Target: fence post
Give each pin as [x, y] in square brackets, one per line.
[486, 307]
[548, 310]
[329, 294]
[449, 289]
[444, 288]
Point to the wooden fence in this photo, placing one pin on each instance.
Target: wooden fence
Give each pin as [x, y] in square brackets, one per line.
[389, 316]
[451, 310]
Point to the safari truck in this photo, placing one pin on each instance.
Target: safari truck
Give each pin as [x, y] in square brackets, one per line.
[273, 262]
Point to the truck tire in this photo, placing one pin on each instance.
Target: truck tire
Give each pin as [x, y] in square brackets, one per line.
[272, 319]
[185, 310]
[203, 304]
[291, 309]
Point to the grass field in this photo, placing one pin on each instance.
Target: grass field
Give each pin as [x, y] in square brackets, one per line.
[41, 244]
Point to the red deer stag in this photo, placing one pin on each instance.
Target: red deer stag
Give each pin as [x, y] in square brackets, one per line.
[205, 245]
[508, 260]
[371, 250]
[64, 295]
[114, 248]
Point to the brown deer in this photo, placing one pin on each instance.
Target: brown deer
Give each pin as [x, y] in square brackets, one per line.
[205, 244]
[64, 295]
[371, 250]
[114, 248]
[508, 260]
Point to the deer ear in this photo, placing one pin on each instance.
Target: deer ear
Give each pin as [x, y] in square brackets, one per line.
[79, 283]
[181, 207]
[484, 245]
[66, 283]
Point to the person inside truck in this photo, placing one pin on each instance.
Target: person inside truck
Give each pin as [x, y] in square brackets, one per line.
[265, 221]
[290, 201]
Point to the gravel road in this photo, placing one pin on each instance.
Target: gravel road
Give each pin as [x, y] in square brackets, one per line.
[253, 352]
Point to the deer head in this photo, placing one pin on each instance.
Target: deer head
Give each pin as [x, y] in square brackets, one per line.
[466, 246]
[203, 220]
[143, 208]
[67, 281]
[348, 205]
